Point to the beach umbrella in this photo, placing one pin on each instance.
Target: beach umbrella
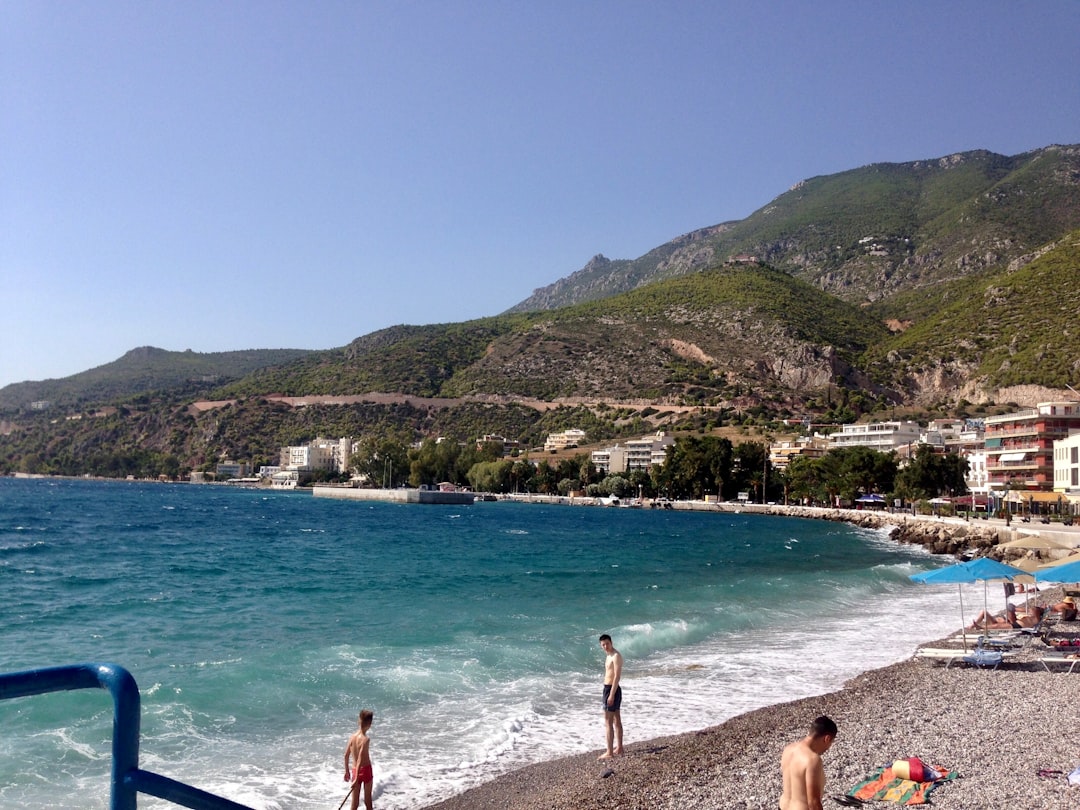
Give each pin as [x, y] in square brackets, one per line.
[1033, 542]
[1063, 561]
[981, 569]
[1062, 572]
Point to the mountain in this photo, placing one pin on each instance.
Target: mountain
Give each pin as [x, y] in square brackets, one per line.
[942, 286]
[868, 234]
[142, 371]
[992, 333]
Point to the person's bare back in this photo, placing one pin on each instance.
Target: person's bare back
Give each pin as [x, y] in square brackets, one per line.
[358, 761]
[803, 770]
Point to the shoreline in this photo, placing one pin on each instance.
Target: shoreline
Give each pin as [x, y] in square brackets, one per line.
[938, 534]
[996, 728]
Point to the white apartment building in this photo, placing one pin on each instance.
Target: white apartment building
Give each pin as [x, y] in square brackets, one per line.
[637, 454]
[781, 453]
[881, 436]
[643, 453]
[332, 455]
[1067, 464]
[568, 438]
[610, 459]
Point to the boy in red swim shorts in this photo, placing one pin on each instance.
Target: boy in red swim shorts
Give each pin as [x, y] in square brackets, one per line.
[358, 750]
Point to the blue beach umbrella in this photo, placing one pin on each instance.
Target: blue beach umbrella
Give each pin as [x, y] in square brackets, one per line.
[1069, 572]
[981, 569]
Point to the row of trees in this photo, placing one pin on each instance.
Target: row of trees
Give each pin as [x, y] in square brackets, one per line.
[695, 467]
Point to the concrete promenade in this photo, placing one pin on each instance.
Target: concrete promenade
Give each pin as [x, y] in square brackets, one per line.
[401, 495]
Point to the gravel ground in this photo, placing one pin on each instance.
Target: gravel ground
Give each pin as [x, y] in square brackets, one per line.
[996, 728]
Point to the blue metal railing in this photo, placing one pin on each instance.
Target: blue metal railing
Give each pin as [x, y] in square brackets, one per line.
[128, 780]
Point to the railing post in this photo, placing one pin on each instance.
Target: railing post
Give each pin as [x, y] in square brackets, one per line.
[127, 778]
[125, 694]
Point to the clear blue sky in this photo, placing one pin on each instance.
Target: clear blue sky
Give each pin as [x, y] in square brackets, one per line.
[220, 176]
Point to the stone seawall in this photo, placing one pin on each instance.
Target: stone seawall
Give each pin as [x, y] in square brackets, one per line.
[939, 535]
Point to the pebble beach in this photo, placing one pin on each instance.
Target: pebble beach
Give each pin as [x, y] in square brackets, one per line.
[998, 729]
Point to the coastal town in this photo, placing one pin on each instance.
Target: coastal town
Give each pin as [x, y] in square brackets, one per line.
[1023, 464]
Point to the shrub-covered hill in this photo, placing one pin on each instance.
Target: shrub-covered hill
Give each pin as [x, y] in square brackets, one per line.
[1007, 328]
[143, 372]
[721, 333]
[872, 232]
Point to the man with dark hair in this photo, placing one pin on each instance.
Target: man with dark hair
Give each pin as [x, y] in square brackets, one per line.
[612, 698]
[804, 774]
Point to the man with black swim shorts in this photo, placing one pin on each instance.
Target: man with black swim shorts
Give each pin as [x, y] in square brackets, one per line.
[612, 698]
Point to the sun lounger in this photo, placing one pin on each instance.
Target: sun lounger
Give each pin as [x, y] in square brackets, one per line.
[1046, 661]
[979, 656]
[949, 656]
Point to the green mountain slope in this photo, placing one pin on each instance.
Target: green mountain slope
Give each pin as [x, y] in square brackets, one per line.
[708, 335]
[144, 371]
[872, 232]
[1013, 327]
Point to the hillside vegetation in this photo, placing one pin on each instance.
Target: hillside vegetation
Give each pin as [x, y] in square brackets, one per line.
[932, 284]
[867, 234]
[144, 372]
[1013, 327]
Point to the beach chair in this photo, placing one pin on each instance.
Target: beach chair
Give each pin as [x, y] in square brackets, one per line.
[1055, 660]
[1018, 637]
[949, 656]
[982, 657]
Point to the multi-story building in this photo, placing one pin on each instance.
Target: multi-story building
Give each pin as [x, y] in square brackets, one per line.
[781, 453]
[882, 436]
[332, 455]
[568, 438]
[643, 453]
[637, 454]
[1067, 464]
[228, 468]
[610, 459]
[1020, 446]
[965, 438]
[509, 445]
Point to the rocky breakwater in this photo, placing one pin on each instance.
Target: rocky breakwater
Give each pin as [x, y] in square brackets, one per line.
[938, 535]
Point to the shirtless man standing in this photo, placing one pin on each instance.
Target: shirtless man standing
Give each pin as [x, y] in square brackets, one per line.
[804, 775]
[612, 698]
[358, 750]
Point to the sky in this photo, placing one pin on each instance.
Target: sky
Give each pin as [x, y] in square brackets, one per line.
[224, 176]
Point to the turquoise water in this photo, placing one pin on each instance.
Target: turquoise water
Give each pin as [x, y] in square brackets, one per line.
[258, 624]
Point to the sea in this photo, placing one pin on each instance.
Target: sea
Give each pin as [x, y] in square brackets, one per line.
[258, 624]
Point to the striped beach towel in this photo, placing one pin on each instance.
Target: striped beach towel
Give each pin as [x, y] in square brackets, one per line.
[884, 786]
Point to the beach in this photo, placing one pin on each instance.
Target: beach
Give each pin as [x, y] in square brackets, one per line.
[997, 729]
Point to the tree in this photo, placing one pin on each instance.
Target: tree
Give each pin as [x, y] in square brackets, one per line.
[383, 462]
[930, 474]
[491, 476]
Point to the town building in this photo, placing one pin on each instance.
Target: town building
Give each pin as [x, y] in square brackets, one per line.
[1020, 446]
[636, 454]
[331, 455]
[1067, 464]
[782, 453]
[510, 446]
[231, 469]
[965, 439]
[609, 459]
[881, 436]
[565, 440]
